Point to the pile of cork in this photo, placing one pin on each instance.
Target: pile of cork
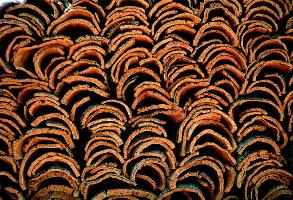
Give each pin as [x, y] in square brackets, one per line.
[146, 99]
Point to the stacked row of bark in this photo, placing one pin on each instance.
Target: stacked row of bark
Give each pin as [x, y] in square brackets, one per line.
[139, 99]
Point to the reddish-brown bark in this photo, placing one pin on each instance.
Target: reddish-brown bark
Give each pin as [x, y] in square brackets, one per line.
[141, 99]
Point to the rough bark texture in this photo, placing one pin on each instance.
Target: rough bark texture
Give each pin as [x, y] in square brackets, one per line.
[141, 99]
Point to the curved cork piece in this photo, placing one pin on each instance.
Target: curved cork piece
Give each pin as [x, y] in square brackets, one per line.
[56, 191]
[146, 99]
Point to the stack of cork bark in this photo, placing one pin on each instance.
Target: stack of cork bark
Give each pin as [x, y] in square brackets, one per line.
[146, 99]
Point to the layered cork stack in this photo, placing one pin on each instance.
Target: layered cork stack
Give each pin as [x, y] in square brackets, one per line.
[141, 99]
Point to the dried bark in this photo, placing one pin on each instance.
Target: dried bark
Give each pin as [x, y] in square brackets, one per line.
[140, 99]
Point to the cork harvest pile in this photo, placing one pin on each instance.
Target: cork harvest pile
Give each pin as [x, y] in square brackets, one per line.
[146, 99]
